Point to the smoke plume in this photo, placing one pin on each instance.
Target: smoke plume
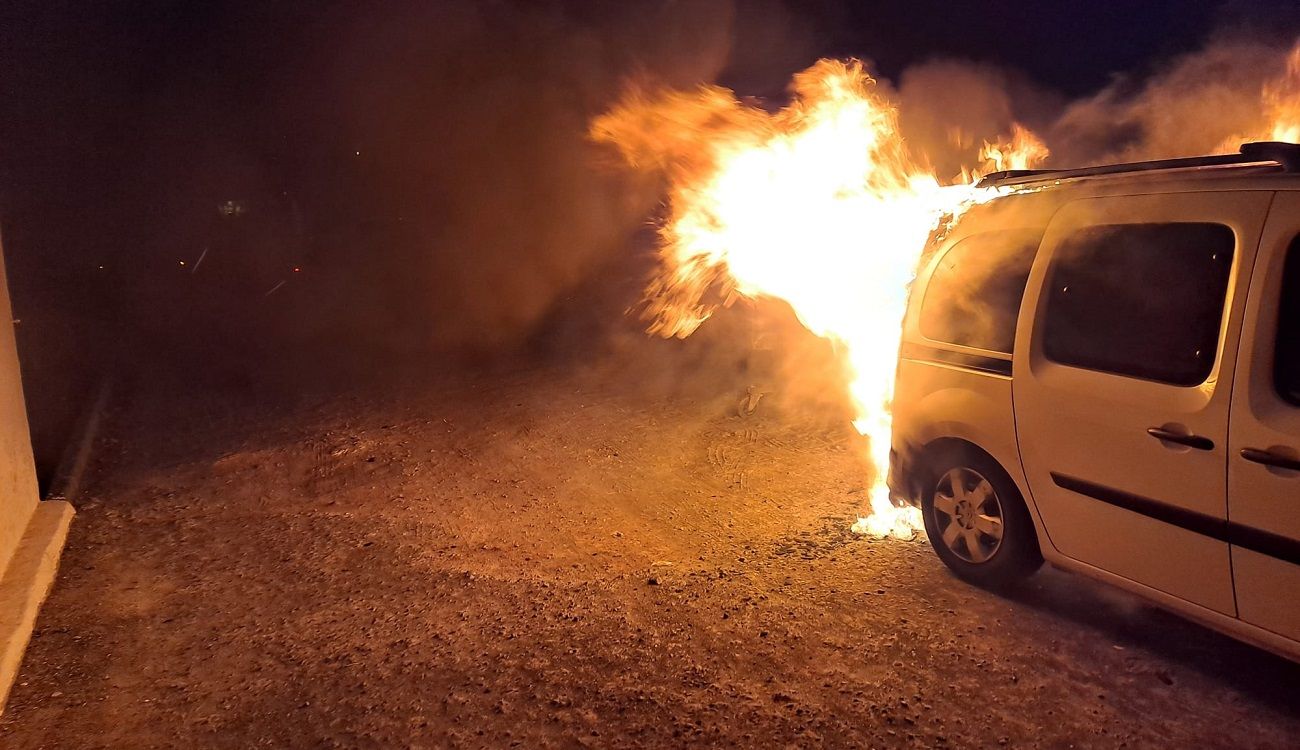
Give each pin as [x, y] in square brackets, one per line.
[483, 207]
[1198, 104]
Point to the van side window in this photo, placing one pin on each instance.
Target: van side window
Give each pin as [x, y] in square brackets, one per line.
[1286, 364]
[1140, 300]
[974, 294]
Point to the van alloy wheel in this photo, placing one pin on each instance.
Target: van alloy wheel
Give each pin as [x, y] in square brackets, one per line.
[975, 517]
[968, 514]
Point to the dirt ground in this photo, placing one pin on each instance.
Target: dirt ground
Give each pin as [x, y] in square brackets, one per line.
[540, 560]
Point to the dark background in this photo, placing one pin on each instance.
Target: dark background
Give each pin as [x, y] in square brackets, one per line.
[413, 181]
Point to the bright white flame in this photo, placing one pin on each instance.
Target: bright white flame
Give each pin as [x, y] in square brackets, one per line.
[818, 204]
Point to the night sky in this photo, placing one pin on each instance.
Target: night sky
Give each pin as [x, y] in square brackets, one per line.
[1072, 47]
[82, 80]
[88, 68]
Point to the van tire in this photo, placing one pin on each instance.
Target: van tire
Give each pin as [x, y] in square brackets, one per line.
[963, 517]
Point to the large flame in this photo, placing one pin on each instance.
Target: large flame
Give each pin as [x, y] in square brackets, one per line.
[1279, 115]
[819, 204]
[1282, 101]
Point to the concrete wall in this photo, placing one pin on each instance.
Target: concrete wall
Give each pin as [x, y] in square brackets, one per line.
[18, 494]
[32, 533]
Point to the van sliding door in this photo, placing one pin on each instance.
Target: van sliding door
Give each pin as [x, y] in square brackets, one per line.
[1121, 383]
[1264, 434]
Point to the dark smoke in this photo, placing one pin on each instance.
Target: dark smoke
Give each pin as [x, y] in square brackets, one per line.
[475, 178]
[950, 108]
[1192, 106]
[472, 213]
[426, 167]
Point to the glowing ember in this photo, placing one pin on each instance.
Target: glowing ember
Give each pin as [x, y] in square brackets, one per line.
[818, 204]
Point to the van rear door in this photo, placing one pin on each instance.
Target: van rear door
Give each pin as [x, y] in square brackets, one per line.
[1121, 383]
[1264, 435]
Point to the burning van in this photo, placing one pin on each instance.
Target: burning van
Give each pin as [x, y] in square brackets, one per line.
[1101, 369]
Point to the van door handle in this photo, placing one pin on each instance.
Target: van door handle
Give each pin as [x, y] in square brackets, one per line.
[1191, 441]
[1268, 458]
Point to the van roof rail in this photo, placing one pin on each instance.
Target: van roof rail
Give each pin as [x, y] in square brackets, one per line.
[1285, 155]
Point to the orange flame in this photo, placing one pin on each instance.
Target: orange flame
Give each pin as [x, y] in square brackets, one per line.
[1023, 151]
[1282, 101]
[1280, 114]
[821, 205]
[818, 204]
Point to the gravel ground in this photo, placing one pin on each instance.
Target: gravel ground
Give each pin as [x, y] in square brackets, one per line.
[538, 560]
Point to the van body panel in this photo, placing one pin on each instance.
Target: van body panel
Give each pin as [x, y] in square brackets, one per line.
[1228, 624]
[1108, 493]
[1263, 498]
[947, 401]
[1185, 552]
[944, 390]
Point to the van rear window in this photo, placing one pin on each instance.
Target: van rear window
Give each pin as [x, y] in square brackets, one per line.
[973, 297]
[1140, 300]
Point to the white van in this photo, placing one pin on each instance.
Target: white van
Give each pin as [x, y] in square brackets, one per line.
[1102, 370]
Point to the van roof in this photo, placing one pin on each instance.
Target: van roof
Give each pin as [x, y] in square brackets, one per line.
[1263, 157]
